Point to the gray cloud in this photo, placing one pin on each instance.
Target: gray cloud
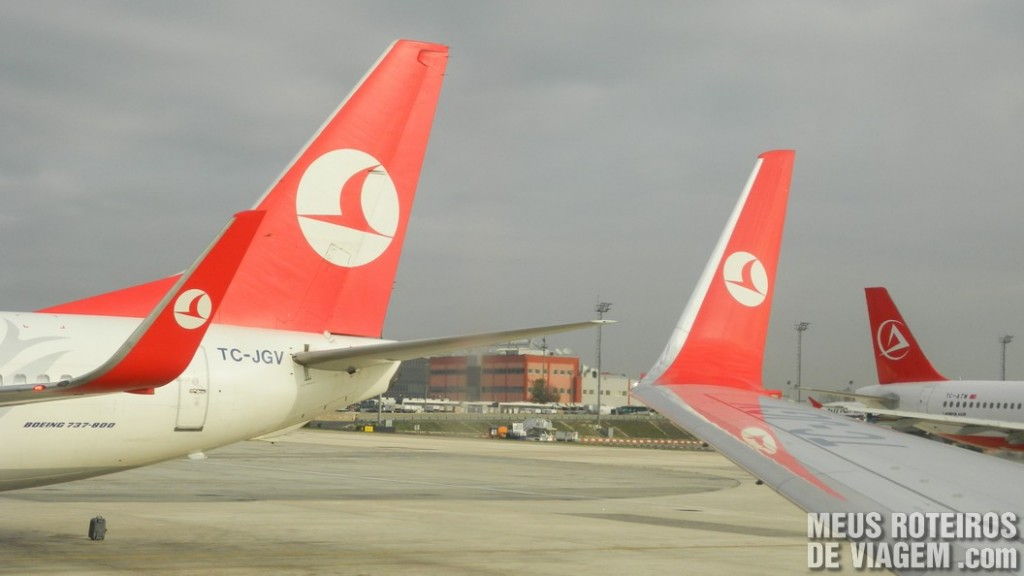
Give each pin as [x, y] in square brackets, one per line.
[581, 149]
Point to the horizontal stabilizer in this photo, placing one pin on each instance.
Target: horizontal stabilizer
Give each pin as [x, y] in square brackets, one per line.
[352, 359]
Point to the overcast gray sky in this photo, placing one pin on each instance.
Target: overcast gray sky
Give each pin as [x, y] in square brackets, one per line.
[581, 149]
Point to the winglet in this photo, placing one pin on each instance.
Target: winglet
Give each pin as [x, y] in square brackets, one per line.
[898, 357]
[720, 337]
[163, 345]
[708, 379]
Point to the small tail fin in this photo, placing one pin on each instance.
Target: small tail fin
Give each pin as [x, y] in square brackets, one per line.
[163, 345]
[720, 337]
[898, 357]
[327, 252]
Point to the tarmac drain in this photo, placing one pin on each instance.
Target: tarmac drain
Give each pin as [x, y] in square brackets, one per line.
[97, 528]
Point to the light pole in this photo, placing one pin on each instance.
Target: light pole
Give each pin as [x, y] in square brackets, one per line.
[601, 308]
[801, 327]
[1004, 340]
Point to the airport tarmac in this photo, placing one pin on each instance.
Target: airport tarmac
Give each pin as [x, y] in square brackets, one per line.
[323, 502]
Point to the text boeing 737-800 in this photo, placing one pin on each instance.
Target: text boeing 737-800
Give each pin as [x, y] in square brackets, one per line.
[278, 321]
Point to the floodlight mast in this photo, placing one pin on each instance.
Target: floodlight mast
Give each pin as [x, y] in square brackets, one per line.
[1004, 340]
[601, 309]
[801, 327]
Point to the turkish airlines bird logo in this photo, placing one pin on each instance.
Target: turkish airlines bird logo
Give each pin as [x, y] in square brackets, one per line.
[347, 207]
[34, 355]
[745, 278]
[759, 439]
[192, 309]
[891, 341]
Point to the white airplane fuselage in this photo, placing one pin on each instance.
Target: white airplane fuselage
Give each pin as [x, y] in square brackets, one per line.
[241, 384]
[993, 400]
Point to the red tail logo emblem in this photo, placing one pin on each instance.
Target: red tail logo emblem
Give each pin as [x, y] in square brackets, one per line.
[347, 207]
[192, 309]
[759, 439]
[891, 341]
[745, 278]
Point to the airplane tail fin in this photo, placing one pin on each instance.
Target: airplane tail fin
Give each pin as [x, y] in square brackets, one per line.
[720, 337]
[898, 357]
[326, 254]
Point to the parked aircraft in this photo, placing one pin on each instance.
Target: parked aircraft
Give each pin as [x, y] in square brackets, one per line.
[984, 414]
[279, 321]
[708, 380]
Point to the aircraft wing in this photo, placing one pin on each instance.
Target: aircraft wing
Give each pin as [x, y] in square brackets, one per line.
[946, 424]
[942, 418]
[867, 399]
[708, 381]
[824, 462]
[356, 357]
[163, 345]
